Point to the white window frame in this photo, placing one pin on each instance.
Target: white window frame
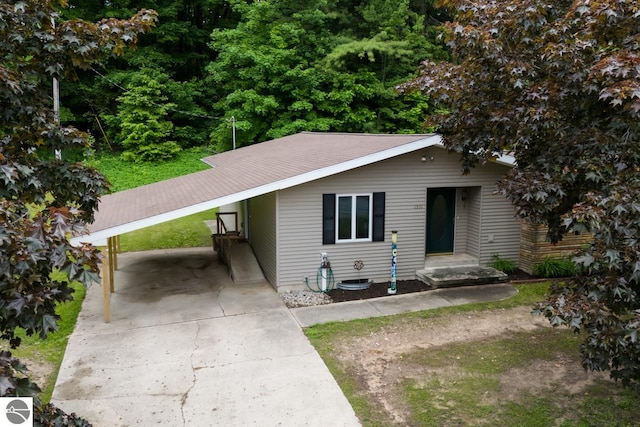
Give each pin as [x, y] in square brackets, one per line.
[353, 238]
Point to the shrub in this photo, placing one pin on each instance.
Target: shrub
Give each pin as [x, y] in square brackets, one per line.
[555, 267]
[507, 266]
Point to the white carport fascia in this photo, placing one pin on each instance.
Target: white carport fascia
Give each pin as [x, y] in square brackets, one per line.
[99, 238]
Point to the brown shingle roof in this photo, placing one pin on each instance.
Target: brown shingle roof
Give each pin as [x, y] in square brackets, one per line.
[247, 171]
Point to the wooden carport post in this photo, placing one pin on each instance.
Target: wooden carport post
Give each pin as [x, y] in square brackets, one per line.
[109, 262]
[116, 251]
[113, 260]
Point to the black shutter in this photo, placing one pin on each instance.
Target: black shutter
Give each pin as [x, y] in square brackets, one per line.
[378, 217]
[328, 219]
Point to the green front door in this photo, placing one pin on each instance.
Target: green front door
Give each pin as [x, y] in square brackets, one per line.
[441, 208]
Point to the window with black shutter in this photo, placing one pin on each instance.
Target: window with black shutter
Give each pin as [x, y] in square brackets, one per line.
[353, 217]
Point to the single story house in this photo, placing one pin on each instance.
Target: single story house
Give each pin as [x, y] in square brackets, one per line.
[339, 194]
[349, 215]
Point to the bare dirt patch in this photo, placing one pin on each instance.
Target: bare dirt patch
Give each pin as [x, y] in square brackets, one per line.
[40, 371]
[381, 362]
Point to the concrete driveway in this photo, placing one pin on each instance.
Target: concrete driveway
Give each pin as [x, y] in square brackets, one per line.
[188, 347]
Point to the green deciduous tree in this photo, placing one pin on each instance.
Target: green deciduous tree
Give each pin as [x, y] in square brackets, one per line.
[44, 200]
[558, 84]
[324, 65]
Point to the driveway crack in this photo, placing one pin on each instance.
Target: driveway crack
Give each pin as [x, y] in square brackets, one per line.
[185, 395]
[218, 300]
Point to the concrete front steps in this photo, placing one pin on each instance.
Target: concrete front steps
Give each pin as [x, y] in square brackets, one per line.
[447, 271]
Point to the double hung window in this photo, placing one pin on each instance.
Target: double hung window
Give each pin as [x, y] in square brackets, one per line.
[354, 217]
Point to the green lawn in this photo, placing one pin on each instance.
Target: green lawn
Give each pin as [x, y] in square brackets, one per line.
[124, 175]
[189, 231]
[43, 357]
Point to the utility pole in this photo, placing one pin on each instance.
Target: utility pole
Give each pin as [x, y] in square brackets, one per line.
[56, 97]
[233, 131]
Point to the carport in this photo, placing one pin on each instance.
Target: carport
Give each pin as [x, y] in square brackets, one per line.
[235, 176]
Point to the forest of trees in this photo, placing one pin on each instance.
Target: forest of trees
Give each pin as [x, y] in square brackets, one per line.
[274, 68]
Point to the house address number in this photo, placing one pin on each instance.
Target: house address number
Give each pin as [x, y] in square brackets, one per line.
[418, 206]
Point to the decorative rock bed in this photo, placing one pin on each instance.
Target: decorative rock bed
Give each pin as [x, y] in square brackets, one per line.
[294, 299]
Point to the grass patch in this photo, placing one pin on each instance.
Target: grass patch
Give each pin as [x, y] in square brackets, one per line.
[600, 407]
[517, 377]
[124, 175]
[189, 231]
[324, 336]
[44, 357]
[475, 395]
[476, 400]
[437, 403]
[528, 294]
[498, 355]
[534, 412]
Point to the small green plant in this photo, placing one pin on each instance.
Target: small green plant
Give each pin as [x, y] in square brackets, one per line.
[507, 266]
[555, 267]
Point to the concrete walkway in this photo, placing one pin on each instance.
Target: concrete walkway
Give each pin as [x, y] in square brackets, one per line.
[187, 347]
[385, 306]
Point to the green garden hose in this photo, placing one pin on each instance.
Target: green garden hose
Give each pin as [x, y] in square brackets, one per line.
[330, 280]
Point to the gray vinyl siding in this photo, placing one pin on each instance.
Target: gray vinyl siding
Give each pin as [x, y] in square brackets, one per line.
[475, 221]
[500, 229]
[404, 180]
[462, 222]
[263, 234]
